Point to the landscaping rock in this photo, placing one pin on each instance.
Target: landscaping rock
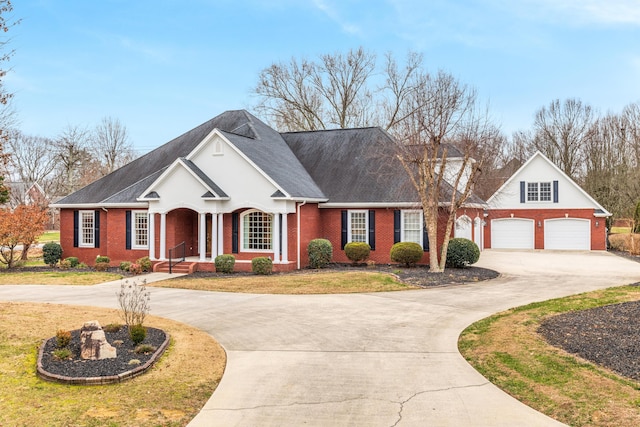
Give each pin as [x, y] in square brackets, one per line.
[93, 342]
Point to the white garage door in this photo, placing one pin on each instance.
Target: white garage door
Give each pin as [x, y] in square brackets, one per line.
[567, 234]
[512, 233]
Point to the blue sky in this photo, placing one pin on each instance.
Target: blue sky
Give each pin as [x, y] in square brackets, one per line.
[164, 66]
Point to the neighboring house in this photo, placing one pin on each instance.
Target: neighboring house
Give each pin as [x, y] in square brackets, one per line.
[540, 207]
[23, 193]
[233, 185]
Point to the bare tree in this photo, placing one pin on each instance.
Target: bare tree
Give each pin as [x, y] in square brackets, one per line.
[72, 151]
[110, 143]
[446, 114]
[560, 131]
[31, 158]
[336, 91]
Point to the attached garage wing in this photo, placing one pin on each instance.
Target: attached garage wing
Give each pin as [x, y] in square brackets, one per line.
[512, 233]
[567, 234]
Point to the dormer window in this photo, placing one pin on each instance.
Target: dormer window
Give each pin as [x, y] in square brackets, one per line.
[538, 191]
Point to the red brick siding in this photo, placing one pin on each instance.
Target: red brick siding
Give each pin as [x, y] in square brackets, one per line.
[598, 233]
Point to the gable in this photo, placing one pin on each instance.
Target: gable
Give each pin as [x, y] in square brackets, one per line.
[565, 193]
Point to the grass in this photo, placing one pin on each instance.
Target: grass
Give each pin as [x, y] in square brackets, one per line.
[170, 394]
[295, 283]
[57, 278]
[50, 236]
[508, 351]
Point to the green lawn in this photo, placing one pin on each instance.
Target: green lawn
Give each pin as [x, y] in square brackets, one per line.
[49, 236]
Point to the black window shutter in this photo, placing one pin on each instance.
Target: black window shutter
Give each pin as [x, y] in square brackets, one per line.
[235, 218]
[343, 228]
[522, 192]
[127, 229]
[425, 238]
[396, 226]
[555, 192]
[96, 228]
[372, 229]
[76, 229]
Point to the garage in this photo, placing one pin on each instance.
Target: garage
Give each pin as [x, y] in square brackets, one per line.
[567, 234]
[512, 233]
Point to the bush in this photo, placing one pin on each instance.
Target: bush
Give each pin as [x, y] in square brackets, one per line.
[103, 259]
[63, 338]
[112, 327]
[135, 268]
[357, 251]
[124, 265]
[65, 264]
[73, 261]
[52, 253]
[133, 300]
[62, 354]
[225, 263]
[261, 265]
[462, 253]
[137, 333]
[145, 263]
[407, 253]
[83, 266]
[320, 253]
[144, 348]
[102, 266]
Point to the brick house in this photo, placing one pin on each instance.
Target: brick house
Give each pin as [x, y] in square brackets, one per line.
[233, 185]
[540, 207]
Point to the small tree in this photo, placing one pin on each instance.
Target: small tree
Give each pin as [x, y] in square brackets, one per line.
[21, 226]
[636, 219]
[133, 299]
[52, 252]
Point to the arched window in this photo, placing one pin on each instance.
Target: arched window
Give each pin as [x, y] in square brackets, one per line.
[256, 231]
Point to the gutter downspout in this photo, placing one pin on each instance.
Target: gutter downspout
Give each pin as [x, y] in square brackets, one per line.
[298, 237]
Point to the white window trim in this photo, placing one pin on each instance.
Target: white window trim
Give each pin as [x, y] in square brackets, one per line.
[366, 224]
[81, 242]
[134, 223]
[539, 191]
[402, 227]
[241, 247]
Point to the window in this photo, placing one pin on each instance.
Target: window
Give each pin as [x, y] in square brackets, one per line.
[256, 231]
[358, 226]
[87, 229]
[538, 191]
[140, 230]
[411, 226]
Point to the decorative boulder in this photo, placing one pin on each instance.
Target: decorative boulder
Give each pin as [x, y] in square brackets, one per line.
[93, 343]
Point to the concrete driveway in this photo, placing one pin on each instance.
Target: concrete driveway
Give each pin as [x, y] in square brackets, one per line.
[380, 359]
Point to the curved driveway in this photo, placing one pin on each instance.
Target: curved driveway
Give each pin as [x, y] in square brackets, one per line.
[379, 359]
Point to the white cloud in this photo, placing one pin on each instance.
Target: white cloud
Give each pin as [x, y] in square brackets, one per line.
[576, 12]
[335, 15]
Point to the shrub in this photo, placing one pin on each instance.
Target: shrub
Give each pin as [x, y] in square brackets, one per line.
[52, 253]
[134, 362]
[407, 253]
[225, 263]
[112, 327]
[133, 299]
[144, 348]
[62, 354]
[102, 258]
[357, 251]
[63, 338]
[462, 253]
[73, 261]
[261, 265]
[83, 266]
[320, 253]
[124, 265]
[102, 266]
[135, 268]
[636, 219]
[137, 333]
[145, 263]
[65, 264]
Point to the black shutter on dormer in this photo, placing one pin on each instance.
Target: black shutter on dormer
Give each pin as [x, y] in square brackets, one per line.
[396, 226]
[556, 197]
[372, 230]
[522, 192]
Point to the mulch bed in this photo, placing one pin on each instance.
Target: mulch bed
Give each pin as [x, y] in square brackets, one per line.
[80, 368]
[608, 336]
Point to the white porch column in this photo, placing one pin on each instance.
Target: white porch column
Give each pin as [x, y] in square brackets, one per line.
[275, 238]
[202, 233]
[285, 239]
[163, 236]
[214, 236]
[220, 234]
[152, 236]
